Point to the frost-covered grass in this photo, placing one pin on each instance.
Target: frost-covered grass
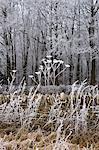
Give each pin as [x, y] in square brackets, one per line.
[50, 121]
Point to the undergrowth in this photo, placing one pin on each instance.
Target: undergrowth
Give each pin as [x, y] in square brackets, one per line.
[50, 121]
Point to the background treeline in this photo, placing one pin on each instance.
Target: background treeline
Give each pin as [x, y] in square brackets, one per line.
[68, 30]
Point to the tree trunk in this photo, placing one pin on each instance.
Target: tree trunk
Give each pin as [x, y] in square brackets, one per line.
[92, 43]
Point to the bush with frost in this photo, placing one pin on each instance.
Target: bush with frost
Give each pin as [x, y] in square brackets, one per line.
[49, 70]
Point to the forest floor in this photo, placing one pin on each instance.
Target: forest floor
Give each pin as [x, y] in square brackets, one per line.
[12, 138]
[54, 126]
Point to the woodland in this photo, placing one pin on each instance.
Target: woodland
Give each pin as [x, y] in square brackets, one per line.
[49, 77]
